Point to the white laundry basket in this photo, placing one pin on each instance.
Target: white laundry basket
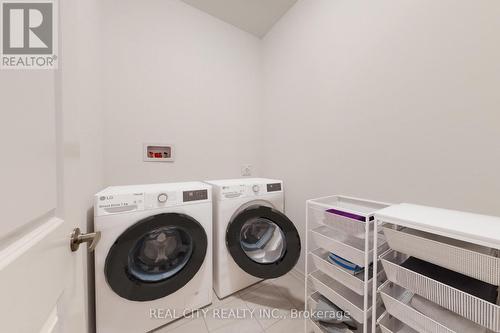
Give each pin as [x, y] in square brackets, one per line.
[469, 259]
[342, 275]
[468, 306]
[389, 324]
[396, 300]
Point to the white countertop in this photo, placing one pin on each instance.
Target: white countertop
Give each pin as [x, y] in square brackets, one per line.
[473, 228]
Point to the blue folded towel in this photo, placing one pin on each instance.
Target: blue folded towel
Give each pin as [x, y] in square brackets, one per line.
[337, 260]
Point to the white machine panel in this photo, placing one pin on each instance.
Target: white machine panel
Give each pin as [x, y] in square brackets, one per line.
[114, 204]
[248, 188]
[127, 215]
[119, 199]
[233, 191]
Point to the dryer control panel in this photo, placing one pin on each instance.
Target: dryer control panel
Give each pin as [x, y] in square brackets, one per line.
[233, 191]
[250, 190]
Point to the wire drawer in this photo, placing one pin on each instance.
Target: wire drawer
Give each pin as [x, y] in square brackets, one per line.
[345, 246]
[396, 301]
[471, 260]
[389, 324]
[346, 214]
[468, 306]
[354, 282]
[312, 302]
[339, 295]
[313, 326]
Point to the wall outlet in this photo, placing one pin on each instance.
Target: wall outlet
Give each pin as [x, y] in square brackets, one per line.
[246, 170]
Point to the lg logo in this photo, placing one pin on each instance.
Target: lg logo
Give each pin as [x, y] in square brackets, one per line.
[28, 28]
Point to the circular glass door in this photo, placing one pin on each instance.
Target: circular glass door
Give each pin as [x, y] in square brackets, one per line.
[156, 256]
[160, 254]
[263, 242]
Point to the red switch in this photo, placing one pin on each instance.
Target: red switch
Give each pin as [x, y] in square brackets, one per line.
[158, 155]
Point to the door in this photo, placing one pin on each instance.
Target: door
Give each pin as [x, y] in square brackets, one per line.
[41, 279]
[156, 256]
[263, 241]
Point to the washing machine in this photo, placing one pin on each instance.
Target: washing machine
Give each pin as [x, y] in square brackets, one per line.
[253, 238]
[153, 263]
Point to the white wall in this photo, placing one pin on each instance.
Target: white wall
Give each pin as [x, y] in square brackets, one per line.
[393, 101]
[177, 75]
[389, 100]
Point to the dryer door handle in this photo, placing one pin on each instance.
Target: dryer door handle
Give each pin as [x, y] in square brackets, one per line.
[77, 238]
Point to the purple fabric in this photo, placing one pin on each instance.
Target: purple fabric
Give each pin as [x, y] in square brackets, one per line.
[348, 215]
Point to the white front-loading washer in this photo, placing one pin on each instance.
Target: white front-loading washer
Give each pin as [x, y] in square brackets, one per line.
[253, 238]
[153, 263]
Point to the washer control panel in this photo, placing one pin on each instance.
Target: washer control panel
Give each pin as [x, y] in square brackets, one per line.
[155, 200]
[110, 202]
[195, 195]
[121, 203]
[162, 197]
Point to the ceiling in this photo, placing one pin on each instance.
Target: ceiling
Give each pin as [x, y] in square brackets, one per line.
[254, 16]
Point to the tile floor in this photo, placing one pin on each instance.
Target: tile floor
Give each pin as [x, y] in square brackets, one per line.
[282, 295]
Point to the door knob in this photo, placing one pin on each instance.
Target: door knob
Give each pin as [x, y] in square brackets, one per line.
[77, 238]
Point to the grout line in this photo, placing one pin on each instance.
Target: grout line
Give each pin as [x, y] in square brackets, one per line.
[169, 327]
[205, 323]
[272, 325]
[260, 325]
[227, 306]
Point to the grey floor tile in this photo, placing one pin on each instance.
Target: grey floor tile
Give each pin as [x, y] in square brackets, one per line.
[254, 287]
[225, 315]
[231, 298]
[292, 288]
[269, 309]
[169, 327]
[271, 302]
[288, 326]
[190, 326]
[241, 326]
